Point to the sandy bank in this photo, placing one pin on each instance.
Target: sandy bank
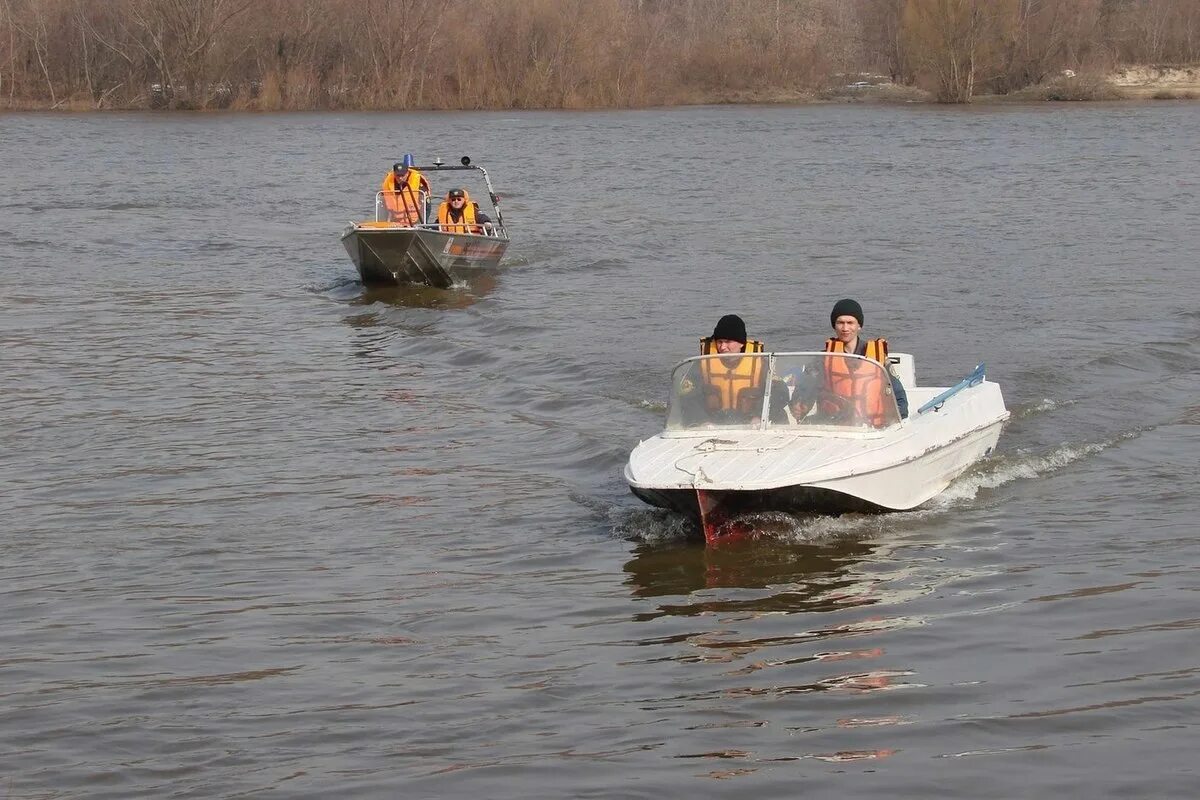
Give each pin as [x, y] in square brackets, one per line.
[1158, 81]
[1128, 83]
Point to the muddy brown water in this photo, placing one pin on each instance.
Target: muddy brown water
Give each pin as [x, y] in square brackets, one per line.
[268, 534]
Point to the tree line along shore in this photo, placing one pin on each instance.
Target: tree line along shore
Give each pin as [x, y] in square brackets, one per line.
[276, 55]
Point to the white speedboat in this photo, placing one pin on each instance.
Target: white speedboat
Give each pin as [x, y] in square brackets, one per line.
[794, 444]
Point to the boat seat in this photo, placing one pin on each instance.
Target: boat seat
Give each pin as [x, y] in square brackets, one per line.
[905, 368]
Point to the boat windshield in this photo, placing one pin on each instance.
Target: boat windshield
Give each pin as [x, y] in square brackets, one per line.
[771, 390]
[402, 208]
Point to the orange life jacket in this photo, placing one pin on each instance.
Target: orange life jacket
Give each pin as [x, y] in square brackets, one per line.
[868, 389]
[465, 225]
[733, 383]
[405, 202]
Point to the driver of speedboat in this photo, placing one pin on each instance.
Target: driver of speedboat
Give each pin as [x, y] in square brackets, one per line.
[729, 390]
[845, 393]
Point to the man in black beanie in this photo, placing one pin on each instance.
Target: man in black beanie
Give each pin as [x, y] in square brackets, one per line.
[846, 308]
[729, 336]
[847, 320]
[729, 390]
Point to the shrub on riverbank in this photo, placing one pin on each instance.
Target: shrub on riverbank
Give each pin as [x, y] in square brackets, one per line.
[1071, 88]
[1167, 94]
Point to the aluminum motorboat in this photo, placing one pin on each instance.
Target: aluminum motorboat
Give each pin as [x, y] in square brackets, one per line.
[391, 253]
[799, 447]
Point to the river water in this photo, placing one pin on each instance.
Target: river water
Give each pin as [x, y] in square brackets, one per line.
[267, 534]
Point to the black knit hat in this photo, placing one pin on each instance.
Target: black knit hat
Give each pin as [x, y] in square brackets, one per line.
[843, 307]
[730, 327]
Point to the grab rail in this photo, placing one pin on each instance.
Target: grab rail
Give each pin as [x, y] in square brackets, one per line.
[975, 378]
[383, 214]
[488, 229]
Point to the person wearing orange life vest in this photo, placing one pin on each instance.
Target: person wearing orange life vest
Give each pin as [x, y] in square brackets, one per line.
[404, 191]
[729, 389]
[852, 389]
[457, 214]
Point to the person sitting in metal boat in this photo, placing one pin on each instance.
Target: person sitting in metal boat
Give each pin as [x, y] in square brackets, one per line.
[729, 390]
[847, 391]
[458, 214]
[404, 190]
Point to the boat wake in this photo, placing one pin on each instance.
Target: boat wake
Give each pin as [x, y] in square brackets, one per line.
[349, 290]
[657, 406]
[1190, 416]
[651, 525]
[1040, 407]
[1020, 465]
[660, 527]
[339, 283]
[657, 526]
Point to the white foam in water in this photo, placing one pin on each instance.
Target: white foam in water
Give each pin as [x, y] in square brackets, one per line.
[1040, 407]
[651, 405]
[659, 526]
[1022, 466]
[803, 528]
[650, 525]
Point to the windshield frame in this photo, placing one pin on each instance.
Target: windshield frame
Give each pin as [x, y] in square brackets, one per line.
[780, 367]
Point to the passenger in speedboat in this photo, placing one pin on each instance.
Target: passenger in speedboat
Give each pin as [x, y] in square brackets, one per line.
[457, 214]
[729, 390]
[851, 392]
[404, 191]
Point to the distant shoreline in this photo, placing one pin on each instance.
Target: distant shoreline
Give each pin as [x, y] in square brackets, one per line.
[1136, 83]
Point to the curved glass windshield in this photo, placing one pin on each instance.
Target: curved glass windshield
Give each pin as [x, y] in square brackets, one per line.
[769, 390]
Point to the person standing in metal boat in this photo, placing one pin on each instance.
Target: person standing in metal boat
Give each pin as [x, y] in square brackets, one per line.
[851, 390]
[404, 191]
[729, 390]
[457, 214]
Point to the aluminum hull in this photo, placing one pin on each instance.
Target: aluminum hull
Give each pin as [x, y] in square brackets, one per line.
[400, 256]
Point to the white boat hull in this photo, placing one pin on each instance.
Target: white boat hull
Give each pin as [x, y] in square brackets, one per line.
[807, 468]
[909, 484]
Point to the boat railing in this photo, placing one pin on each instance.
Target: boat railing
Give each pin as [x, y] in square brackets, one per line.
[773, 390]
[483, 229]
[390, 205]
[976, 377]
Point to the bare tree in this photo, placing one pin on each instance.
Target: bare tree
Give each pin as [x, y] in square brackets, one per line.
[35, 32]
[178, 36]
[395, 54]
[947, 40]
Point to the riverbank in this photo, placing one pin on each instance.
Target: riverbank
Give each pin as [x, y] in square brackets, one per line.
[1159, 83]
[1128, 83]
